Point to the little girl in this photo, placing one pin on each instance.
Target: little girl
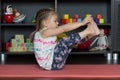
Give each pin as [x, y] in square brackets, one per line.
[50, 54]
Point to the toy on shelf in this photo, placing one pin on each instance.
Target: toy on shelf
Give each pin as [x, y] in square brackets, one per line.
[8, 16]
[77, 18]
[34, 19]
[85, 45]
[66, 18]
[96, 20]
[102, 42]
[99, 16]
[70, 20]
[60, 36]
[18, 16]
[7, 46]
[18, 44]
[87, 15]
[99, 19]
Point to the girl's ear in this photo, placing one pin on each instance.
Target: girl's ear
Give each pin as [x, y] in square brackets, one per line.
[45, 23]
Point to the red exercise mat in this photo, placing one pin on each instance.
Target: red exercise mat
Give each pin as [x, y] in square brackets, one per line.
[69, 71]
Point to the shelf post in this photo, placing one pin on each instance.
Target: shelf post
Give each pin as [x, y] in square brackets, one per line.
[2, 58]
[115, 58]
[109, 56]
[55, 5]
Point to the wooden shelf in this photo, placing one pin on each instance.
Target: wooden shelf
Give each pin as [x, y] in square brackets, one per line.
[89, 52]
[18, 53]
[72, 52]
[106, 24]
[28, 24]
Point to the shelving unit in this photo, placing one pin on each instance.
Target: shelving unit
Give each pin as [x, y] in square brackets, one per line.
[29, 8]
[115, 23]
[71, 7]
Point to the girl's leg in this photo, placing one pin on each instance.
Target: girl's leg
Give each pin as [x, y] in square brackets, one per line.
[63, 48]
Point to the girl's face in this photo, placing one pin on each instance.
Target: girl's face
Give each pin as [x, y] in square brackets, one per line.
[52, 21]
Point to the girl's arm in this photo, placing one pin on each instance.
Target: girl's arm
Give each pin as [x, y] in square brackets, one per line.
[71, 26]
[65, 28]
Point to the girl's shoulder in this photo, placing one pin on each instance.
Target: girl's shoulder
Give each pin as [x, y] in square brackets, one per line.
[38, 35]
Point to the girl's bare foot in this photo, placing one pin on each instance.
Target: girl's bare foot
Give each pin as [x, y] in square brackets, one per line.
[96, 29]
[92, 26]
[91, 30]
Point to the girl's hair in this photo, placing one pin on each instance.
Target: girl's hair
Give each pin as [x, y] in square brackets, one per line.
[41, 15]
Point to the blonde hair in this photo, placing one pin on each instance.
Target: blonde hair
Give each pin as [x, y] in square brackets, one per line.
[41, 15]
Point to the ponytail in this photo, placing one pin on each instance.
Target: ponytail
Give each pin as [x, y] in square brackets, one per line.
[31, 36]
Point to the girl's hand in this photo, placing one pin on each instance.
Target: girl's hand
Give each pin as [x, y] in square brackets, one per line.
[86, 20]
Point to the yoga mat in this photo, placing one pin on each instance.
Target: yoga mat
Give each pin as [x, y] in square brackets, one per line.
[69, 71]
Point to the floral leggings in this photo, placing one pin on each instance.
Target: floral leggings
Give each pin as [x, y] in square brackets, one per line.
[63, 48]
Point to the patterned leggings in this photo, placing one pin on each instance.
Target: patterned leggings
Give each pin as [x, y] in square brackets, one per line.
[62, 50]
